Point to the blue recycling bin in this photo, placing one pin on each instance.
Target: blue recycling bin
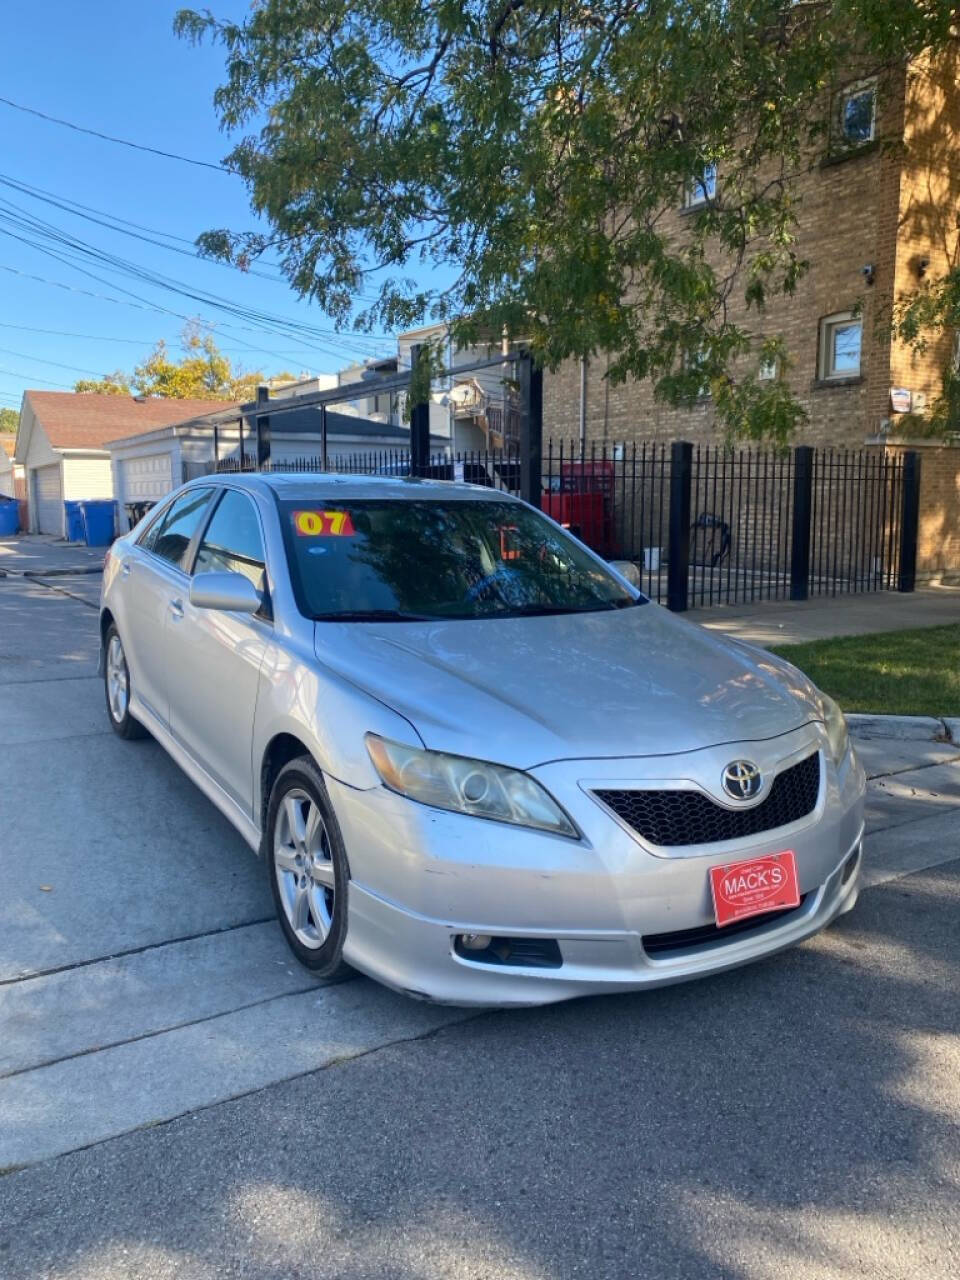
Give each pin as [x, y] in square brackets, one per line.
[74, 522]
[99, 521]
[9, 518]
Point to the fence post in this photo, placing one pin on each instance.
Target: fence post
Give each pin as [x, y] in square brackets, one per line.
[530, 380]
[263, 428]
[909, 521]
[678, 546]
[802, 522]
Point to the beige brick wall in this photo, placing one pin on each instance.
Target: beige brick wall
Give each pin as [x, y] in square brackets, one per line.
[927, 224]
[938, 549]
[885, 205]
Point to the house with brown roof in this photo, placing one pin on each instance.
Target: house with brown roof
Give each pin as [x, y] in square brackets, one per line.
[62, 439]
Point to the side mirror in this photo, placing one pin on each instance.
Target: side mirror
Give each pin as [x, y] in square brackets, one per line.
[231, 592]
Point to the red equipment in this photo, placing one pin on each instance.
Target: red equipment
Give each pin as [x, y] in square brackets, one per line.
[583, 503]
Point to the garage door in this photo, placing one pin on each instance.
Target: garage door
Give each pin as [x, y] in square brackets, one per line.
[49, 499]
[146, 479]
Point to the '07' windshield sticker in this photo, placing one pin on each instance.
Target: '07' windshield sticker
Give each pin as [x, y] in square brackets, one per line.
[323, 524]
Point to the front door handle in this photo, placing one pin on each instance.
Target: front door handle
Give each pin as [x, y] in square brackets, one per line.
[176, 608]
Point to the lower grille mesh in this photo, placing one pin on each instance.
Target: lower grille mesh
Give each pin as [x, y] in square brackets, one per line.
[672, 818]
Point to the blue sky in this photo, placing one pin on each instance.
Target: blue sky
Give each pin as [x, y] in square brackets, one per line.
[116, 67]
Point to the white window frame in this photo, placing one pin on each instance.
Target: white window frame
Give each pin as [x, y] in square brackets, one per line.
[855, 91]
[827, 371]
[695, 193]
[768, 370]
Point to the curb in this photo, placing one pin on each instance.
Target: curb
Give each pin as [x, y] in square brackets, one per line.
[905, 728]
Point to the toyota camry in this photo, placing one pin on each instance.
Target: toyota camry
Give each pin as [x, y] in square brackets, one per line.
[479, 765]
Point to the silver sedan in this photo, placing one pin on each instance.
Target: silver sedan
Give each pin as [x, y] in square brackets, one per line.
[480, 766]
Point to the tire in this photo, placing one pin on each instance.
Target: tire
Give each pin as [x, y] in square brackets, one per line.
[307, 866]
[116, 688]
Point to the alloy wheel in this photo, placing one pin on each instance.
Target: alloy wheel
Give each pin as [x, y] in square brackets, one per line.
[303, 865]
[118, 680]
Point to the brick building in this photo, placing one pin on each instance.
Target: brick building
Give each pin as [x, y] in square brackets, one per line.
[878, 212]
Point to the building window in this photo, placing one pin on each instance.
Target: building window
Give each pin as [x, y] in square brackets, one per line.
[701, 189]
[767, 370]
[694, 362]
[858, 113]
[840, 341]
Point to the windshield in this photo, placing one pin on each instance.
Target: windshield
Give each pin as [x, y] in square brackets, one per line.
[405, 560]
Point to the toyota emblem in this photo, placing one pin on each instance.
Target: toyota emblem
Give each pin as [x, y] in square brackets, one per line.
[742, 780]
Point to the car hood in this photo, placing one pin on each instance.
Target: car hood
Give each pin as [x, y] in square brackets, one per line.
[524, 691]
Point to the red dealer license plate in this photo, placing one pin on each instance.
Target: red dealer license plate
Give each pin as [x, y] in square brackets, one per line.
[750, 888]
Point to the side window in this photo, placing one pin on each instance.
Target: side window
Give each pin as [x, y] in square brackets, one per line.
[233, 542]
[170, 537]
[149, 535]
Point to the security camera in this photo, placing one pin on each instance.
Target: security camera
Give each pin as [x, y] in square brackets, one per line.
[867, 271]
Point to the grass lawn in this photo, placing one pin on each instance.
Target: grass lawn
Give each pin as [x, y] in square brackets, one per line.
[912, 673]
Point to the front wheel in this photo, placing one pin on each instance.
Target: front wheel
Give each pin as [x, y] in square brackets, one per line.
[116, 684]
[307, 866]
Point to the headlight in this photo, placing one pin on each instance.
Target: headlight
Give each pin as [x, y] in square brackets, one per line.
[467, 786]
[836, 726]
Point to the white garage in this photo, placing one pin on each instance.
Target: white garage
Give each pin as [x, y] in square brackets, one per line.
[146, 479]
[62, 442]
[47, 499]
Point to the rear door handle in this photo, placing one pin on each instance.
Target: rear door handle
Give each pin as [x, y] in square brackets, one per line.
[176, 608]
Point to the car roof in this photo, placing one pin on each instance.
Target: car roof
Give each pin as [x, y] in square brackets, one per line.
[306, 486]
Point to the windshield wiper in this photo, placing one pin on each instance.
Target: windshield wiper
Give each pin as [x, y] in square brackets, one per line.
[374, 615]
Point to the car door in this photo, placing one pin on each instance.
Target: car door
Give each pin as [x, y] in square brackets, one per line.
[153, 579]
[215, 656]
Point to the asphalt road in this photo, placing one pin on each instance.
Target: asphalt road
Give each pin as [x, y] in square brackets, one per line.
[177, 1099]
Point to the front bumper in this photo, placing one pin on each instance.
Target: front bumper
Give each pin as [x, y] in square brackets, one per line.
[420, 877]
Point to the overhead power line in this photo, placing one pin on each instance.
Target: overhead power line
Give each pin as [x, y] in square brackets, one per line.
[112, 222]
[107, 137]
[75, 368]
[308, 335]
[31, 377]
[146, 342]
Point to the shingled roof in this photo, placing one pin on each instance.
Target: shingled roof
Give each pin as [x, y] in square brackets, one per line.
[84, 420]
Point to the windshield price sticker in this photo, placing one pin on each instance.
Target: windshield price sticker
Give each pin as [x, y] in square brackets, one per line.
[323, 524]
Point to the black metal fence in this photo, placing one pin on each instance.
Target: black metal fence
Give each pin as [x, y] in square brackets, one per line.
[703, 524]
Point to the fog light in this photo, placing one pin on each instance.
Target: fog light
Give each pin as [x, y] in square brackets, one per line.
[475, 941]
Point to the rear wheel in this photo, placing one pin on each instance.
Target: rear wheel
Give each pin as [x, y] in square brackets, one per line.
[116, 683]
[308, 870]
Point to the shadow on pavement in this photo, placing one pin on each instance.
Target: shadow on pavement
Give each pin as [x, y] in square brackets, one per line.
[797, 1118]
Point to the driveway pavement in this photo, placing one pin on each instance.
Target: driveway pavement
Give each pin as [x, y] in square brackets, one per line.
[178, 1099]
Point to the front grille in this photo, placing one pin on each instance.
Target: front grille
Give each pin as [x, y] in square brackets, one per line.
[671, 818]
[661, 943]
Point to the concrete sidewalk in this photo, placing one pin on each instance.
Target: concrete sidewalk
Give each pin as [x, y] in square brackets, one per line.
[792, 622]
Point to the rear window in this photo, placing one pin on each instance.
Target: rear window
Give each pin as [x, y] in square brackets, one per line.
[383, 559]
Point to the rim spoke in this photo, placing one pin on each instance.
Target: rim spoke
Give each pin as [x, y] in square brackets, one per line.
[300, 915]
[323, 874]
[294, 818]
[314, 829]
[285, 858]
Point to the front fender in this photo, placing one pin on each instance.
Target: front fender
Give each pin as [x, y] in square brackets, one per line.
[328, 714]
